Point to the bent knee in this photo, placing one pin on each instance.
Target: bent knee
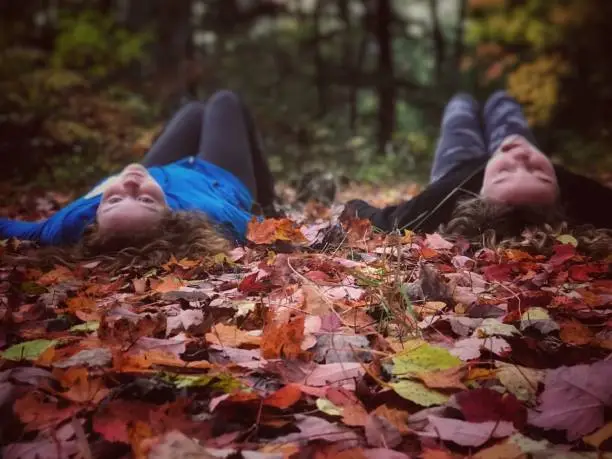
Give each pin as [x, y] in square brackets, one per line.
[226, 97]
[193, 108]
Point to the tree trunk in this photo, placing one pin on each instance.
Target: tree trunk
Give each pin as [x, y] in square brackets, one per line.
[171, 52]
[319, 63]
[459, 44]
[438, 43]
[386, 85]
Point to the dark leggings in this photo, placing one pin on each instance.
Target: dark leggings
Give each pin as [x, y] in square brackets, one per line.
[463, 137]
[222, 132]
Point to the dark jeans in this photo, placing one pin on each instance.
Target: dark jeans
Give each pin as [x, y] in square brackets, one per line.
[220, 131]
[463, 137]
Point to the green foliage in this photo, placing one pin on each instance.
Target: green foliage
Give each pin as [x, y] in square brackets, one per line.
[553, 57]
[94, 44]
[28, 350]
[64, 131]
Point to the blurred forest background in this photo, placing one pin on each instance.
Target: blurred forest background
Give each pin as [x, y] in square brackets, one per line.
[354, 86]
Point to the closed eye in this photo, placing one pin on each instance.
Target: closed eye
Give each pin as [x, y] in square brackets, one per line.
[146, 199]
[114, 199]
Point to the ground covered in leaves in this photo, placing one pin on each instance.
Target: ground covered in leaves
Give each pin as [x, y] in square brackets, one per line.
[318, 339]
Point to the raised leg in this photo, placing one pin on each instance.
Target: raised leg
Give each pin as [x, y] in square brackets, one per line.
[461, 137]
[225, 138]
[180, 137]
[503, 117]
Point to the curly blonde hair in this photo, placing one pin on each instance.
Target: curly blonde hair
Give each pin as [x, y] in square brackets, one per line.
[528, 227]
[184, 234]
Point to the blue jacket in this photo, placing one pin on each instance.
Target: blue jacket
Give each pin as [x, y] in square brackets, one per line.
[189, 184]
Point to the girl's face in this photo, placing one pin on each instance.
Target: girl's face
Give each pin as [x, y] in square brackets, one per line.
[519, 173]
[132, 202]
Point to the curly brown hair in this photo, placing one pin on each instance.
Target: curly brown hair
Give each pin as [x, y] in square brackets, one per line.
[184, 234]
[529, 227]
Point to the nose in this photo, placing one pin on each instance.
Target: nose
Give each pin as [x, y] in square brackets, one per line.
[521, 154]
[131, 187]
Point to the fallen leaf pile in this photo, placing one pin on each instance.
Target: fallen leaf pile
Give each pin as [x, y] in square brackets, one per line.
[318, 339]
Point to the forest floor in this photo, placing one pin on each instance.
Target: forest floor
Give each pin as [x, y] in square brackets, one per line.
[316, 340]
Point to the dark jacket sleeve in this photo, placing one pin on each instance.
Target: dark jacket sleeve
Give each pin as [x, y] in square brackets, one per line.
[429, 209]
[585, 200]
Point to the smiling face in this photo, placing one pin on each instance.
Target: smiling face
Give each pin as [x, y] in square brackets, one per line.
[519, 173]
[132, 202]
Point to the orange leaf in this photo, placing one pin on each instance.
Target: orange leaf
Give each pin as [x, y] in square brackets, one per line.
[83, 307]
[281, 340]
[397, 418]
[166, 284]
[501, 450]
[103, 289]
[431, 453]
[274, 229]
[353, 412]
[231, 336]
[517, 255]
[82, 388]
[284, 397]
[183, 263]
[138, 432]
[38, 413]
[55, 276]
[144, 362]
[574, 332]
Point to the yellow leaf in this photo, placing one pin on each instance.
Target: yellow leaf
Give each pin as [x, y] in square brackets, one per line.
[418, 393]
[568, 239]
[521, 381]
[424, 358]
[328, 407]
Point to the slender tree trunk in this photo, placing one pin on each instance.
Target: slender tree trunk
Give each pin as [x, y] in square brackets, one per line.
[348, 60]
[354, 86]
[319, 63]
[438, 43]
[174, 35]
[459, 43]
[386, 85]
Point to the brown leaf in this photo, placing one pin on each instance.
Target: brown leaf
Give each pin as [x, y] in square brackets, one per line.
[312, 427]
[380, 433]
[146, 362]
[231, 336]
[398, 418]
[504, 450]
[124, 326]
[574, 332]
[599, 436]
[444, 379]
[176, 445]
[37, 412]
[314, 301]
[80, 386]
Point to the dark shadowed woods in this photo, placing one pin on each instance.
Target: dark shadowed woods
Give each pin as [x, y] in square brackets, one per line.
[356, 86]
